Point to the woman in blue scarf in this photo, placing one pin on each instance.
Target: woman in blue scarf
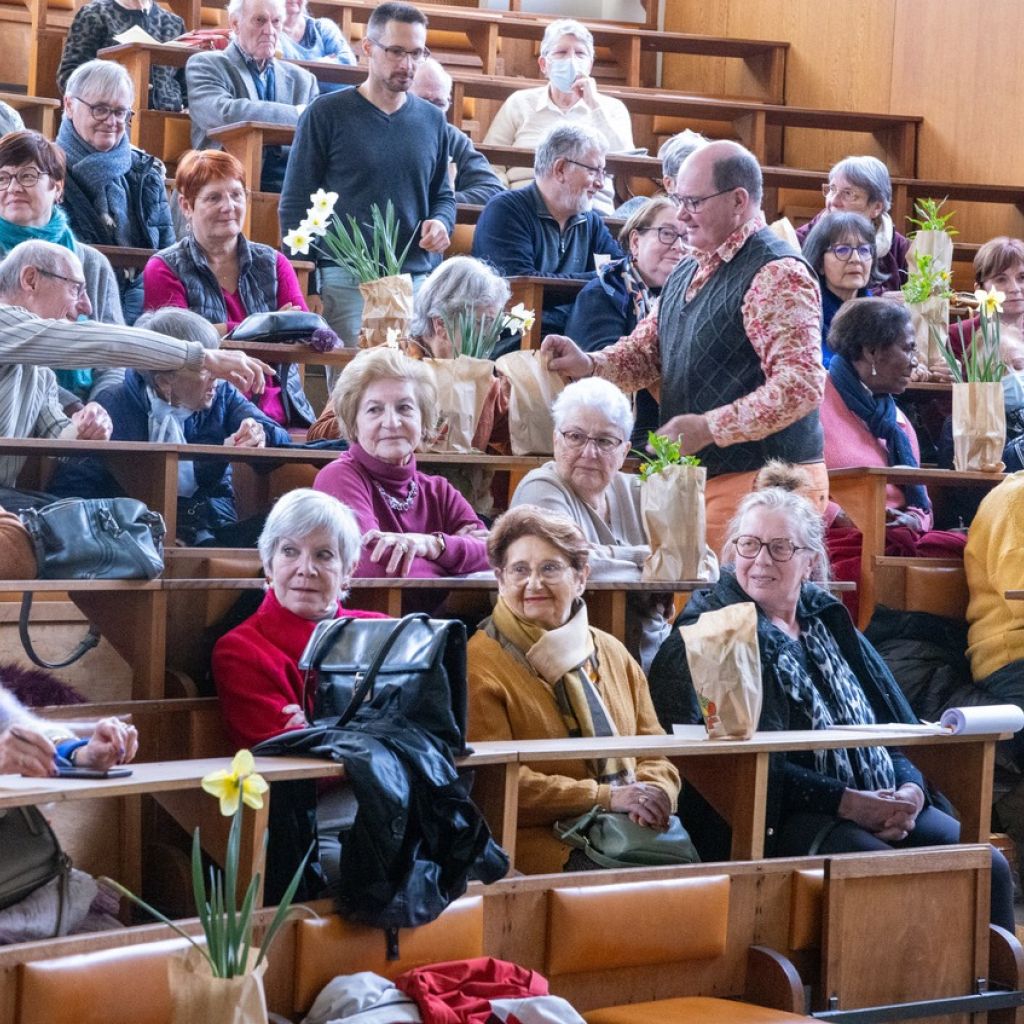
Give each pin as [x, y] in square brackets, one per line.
[874, 355]
[114, 193]
[32, 180]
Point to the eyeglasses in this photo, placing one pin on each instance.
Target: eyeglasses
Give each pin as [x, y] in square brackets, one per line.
[28, 178]
[79, 285]
[845, 252]
[694, 203]
[666, 235]
[213, 199]
[780, 549]
[597, 173]
[396, 54]
[100, 112]
[603, 442]
[848, 195]
[549, 572]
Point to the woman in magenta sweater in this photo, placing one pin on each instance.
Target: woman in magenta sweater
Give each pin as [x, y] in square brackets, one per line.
[874, 354]
[412, 524]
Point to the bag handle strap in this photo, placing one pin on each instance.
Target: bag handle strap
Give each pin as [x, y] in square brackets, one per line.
[86, 644]
[369, 677]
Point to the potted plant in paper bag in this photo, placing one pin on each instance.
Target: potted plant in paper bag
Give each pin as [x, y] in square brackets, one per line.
[221, 982]
[376, 264]
[979, 415]
[672, 508]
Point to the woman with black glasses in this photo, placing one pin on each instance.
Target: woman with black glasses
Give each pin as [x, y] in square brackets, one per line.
[613, 303]
[817, 672]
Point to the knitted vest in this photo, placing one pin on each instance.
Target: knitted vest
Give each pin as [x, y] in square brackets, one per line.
[257, 278]
[707, 360]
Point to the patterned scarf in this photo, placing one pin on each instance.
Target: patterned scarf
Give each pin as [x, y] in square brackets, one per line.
[100, 178]
[879, 415]
[637, 288]
[841, 701]
[566, 660]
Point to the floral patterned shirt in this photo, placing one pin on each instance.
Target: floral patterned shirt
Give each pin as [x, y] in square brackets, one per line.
[782, 317]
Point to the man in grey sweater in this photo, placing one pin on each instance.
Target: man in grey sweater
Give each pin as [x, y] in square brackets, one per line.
[372, 144]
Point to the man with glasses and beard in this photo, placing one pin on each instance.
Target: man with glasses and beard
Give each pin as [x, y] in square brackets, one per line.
[372, 144]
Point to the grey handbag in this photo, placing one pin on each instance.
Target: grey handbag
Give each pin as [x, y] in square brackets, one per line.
[31, 858]
[612, 839]
[90, 539]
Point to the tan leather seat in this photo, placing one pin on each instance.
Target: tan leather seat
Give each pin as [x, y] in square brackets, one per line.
[692, 1010]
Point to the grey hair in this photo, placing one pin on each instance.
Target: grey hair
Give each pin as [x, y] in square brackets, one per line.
[459, 282]
[102, 79]
[303, 511]
[837, 227]
[741, 170]
[804, 519]
[47, 256]
[676, 149]
[566, 27]
[868, 173]
[235, 7]
[598, 394]
[566, 142]
[175, 322]
[435, 67]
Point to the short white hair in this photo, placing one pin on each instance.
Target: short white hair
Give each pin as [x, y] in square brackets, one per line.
[569, 141]
[302, 511]
[35, 252]
[566, 27]
[594, 393]
[235, 8]
[100, 80]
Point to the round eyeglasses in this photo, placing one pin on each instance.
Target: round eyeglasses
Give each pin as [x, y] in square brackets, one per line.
[845, 252]
[666, 235]
[549, 572]
[780, 549]
[27, 178]
[101, 112]
[604, 443]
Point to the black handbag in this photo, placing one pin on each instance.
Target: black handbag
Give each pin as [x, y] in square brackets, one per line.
[31, 858]
[359, 660]
[290, 326]
[89, 539]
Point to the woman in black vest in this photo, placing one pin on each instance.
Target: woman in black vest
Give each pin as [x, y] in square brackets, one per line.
[217, 272]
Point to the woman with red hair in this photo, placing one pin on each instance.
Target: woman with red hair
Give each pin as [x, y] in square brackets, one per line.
[217, 272]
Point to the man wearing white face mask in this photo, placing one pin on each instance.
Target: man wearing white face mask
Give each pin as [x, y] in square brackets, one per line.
[526, 117]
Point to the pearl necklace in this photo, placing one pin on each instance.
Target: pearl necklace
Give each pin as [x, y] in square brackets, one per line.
[396, 504]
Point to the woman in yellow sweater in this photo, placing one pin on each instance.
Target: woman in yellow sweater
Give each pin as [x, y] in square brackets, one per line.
[537, 670]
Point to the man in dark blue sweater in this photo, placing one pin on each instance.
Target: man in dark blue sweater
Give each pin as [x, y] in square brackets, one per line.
[548, 228]
[371, 144]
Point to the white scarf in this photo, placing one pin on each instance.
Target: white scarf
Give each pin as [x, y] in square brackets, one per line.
[167, 426]
[883, 236]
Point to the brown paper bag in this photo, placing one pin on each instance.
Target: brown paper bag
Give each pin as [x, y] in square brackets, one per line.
[937, 244]
[672, 508]
[462, 387]
[199, 998]
[930, 320]
[979, 426]
[386, 303]
[725, 665]
[533, 388]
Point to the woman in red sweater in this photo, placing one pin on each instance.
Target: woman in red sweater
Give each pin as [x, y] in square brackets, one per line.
[873, 345]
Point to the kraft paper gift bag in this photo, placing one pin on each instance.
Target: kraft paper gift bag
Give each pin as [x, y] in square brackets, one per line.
[979, 426]
[387, 303]
[725, 664]
[533, 388]
[197, 997]
[672, 509]
[462, 387]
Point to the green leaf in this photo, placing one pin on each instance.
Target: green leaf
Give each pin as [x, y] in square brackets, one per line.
[284, 906]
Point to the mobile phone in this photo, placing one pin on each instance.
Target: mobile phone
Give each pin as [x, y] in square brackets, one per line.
[73, 772]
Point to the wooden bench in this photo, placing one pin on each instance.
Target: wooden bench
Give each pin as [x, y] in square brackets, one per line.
[38, 112]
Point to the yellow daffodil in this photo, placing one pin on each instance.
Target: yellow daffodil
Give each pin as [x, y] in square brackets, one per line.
[945, 276]
[523, 315]
[316, 222]
[990, 302]
[298, 240]
[323, 202]
[240, 782]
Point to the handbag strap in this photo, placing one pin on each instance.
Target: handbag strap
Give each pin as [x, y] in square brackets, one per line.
[86, 644]
[366, 679]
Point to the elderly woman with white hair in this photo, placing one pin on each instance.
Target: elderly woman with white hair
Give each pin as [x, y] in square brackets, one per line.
[817, 672]
[412, 524]
[861, 184]
[593, 424]
[673, 151]
[309, 549]
[114, 193]
[566, 61]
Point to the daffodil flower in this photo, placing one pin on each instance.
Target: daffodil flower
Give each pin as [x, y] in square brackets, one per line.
[316, 223]
[241, 782]
[990, 302]
[323, 202]
[523, 315]
[391, 337]
[298, 240]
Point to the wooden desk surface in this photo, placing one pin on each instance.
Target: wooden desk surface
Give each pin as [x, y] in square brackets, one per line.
[916, 474]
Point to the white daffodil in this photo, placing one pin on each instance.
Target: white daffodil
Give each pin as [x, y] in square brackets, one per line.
[298, 240]
[323, 202]
[522, 315]
[316, 223]
[990, 302]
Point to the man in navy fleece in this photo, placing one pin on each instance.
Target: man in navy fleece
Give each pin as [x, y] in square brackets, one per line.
[548, 228]
[371, 144]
